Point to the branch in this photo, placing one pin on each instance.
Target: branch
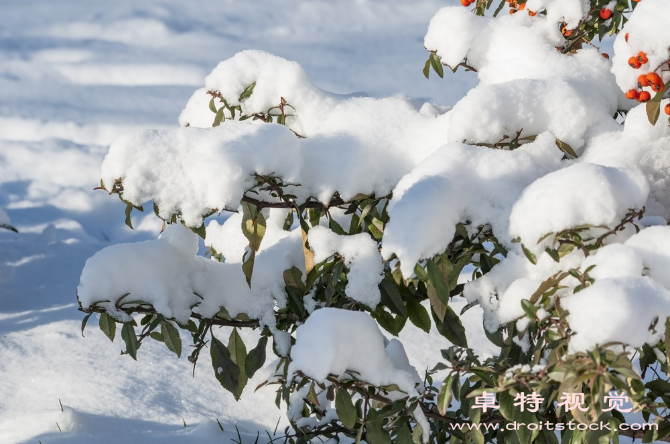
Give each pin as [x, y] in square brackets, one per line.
[313, 204]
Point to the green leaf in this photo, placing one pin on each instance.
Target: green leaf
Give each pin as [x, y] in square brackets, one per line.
[345, 408]
[654, 105]
[248, 266]
[388, 322]
[108, 326]
[212, 106]
[529, 308]
[256, 357]
[426, 68]
[437, 65]
[238, 354]
[171, 337]
[436, 279]
[375, 432]
[444, 395]
[451, 328]
[417, 433]
[553, 254]
[225, 370]
[9, 227]
[437, 305]
[219, 117]
[418, 315]
[293, 278]
[129, 337]
[129, 209]
[253, 225]
[566, 148]
[404, 435]
[531, 257]
[390, 296]
[157, 336]
[248, 91]
[83, 324]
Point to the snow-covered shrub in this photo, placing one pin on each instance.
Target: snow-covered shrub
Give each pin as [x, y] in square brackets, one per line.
[546, 183]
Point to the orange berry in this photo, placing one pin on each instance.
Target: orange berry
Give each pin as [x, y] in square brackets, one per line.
[632, 94]
[522, 6]
[531, 13]
[642, 81]
[657, 87]
[654, 78]
[466, 2]
[644, 96]
[642, 57]
[634, 63]
[607, 56]
[605, 13]
[512, 11]
[667, 109]
[626, 37]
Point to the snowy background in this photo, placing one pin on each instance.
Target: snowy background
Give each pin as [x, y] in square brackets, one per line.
[73, 75]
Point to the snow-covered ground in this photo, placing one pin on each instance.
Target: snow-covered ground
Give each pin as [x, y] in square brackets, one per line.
[73, 75]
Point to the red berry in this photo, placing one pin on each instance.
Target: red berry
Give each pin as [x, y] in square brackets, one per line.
[642, 57]
[632, 94]
[607, 56]
[626, 37]
[605, 13]
[634, 63]
[642, 81]
[466, 2]
[644, 97]
[657, 87]
[654, 78]
[667, 109]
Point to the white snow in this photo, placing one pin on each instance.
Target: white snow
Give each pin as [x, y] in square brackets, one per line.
[361, 256]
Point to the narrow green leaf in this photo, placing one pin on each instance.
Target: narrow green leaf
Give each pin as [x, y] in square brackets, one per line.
[531, 257]
[404, 435]
[83, 324]
[436, 278]
[256, 357]
[156, 336]
[444, 395]
[129, 209]
[426, 69]
[212, 106]
[345, 408]
[248, 266]
[391, 296]
[248, 91]
[108, 326]
[238, 354]
[417, 434]
[225, 370]
[171, 337]
[129, 337]
[437, 65]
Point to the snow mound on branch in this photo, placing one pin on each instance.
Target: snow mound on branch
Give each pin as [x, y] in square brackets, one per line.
[361, 256]
[653, 245]
[333, 341]
[526, 85]
[167, 274]
[192, 171]
[647, 30]
[627, 308]
[577, 195]
[459, 183]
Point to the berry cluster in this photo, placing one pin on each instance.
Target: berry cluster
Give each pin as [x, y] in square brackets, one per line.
[651, 80]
